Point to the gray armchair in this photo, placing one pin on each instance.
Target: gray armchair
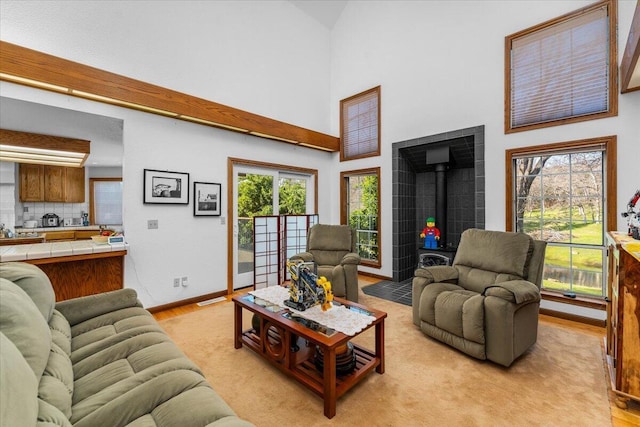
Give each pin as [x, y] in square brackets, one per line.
[332, 248]
[486, 303]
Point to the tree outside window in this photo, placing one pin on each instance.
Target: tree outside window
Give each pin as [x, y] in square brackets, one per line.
[559, 196]
[360, 200]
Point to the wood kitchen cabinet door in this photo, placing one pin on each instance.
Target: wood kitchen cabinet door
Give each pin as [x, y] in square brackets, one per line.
[74, 185]
[54, 177]
[31, 183]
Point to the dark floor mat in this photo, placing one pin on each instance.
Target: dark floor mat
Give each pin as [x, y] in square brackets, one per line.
[399, 292]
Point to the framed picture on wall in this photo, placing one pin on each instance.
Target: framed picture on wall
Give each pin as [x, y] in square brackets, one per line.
[165, 187]
[207, 199]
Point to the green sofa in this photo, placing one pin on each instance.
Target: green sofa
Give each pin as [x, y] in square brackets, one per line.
[100, 360]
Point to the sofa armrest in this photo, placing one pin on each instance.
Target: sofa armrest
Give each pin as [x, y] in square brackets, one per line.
[425, 276]
[304, 256]
[78, 310]
[351, 258]
[438, 273]
[515, 291]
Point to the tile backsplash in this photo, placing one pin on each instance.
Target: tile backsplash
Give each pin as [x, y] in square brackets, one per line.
[36, 210]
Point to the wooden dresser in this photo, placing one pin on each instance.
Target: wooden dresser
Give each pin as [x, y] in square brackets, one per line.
[623, 317]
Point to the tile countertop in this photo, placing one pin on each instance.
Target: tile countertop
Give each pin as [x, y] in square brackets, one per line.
[56, 249]
[69, 228]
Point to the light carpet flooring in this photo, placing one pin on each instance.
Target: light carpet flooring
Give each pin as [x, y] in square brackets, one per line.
[559, 382]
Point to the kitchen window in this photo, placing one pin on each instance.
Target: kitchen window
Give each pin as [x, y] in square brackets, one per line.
[105, 201]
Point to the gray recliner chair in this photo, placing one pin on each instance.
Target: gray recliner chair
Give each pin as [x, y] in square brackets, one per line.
[486, 303]
[333, 249]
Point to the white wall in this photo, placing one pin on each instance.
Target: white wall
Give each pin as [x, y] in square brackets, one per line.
[265, 57]
[441, 68]
[440, 65]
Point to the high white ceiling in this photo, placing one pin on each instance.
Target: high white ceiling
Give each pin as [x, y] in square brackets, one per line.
[326, 12]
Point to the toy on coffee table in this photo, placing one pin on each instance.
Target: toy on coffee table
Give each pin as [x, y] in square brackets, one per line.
[307, 289]
[430, 234]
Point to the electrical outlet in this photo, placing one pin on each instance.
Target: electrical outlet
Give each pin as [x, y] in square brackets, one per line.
[223, 220]
[152, 224]
[185, 281]
[176, 282]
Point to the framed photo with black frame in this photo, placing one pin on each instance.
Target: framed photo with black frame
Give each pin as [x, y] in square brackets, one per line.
[206, 196]
[166, 187]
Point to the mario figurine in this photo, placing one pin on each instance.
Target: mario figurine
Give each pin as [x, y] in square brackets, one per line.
[430, 234]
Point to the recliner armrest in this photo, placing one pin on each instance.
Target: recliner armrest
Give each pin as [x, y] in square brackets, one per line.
[438, 273]
[78, 310]
[515, 291]
[351, 258]
[304, 256]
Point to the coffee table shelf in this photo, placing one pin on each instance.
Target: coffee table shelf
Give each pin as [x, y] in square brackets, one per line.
[273, 342]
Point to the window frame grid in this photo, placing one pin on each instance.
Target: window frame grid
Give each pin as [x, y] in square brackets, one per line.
[608, 146]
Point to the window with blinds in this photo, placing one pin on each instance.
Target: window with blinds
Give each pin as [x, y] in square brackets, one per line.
[562, 71]
[105, 201]
[360, 125]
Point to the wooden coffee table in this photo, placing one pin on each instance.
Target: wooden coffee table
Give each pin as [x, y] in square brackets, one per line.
[278, 332]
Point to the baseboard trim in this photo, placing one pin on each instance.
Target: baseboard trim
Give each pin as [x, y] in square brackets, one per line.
[573, 317]
[375, 276]
[188, 301]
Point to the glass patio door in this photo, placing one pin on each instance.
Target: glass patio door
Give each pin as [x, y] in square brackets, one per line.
[254, 190]
[262, 191]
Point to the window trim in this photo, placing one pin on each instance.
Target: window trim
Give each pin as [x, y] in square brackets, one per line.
[612, 12]
[343, 208]
[343, 156]
[610, 177]
[92, 206]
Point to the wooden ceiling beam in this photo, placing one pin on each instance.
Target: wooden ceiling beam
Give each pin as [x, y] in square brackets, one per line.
[37, 69]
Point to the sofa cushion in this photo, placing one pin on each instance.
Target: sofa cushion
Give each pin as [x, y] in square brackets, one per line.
[60, 331]
[18, 387]
[34, 282]
[56, 384]
[495, 251]
[50, 416]
[24, 325]
[461, 313]
[141, 394]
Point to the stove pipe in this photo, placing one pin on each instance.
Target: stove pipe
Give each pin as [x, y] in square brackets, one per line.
[441, 202]
[438, 156]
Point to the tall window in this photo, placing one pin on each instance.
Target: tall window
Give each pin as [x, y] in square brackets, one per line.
[360, 125]
[559, 193]
[105, 201]
[360, 201]
[562, 71]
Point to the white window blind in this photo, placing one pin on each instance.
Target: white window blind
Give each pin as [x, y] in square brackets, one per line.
[107, 197]
[360, 125]
[561, 71]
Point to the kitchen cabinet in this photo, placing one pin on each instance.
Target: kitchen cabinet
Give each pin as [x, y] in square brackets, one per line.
[31, 183]
[54, 177]
[58, 236]
[623, 317]
[74, 185]
[45, 183]
[62, 235]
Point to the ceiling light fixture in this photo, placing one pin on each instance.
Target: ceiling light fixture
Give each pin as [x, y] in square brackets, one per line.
[25, 147]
